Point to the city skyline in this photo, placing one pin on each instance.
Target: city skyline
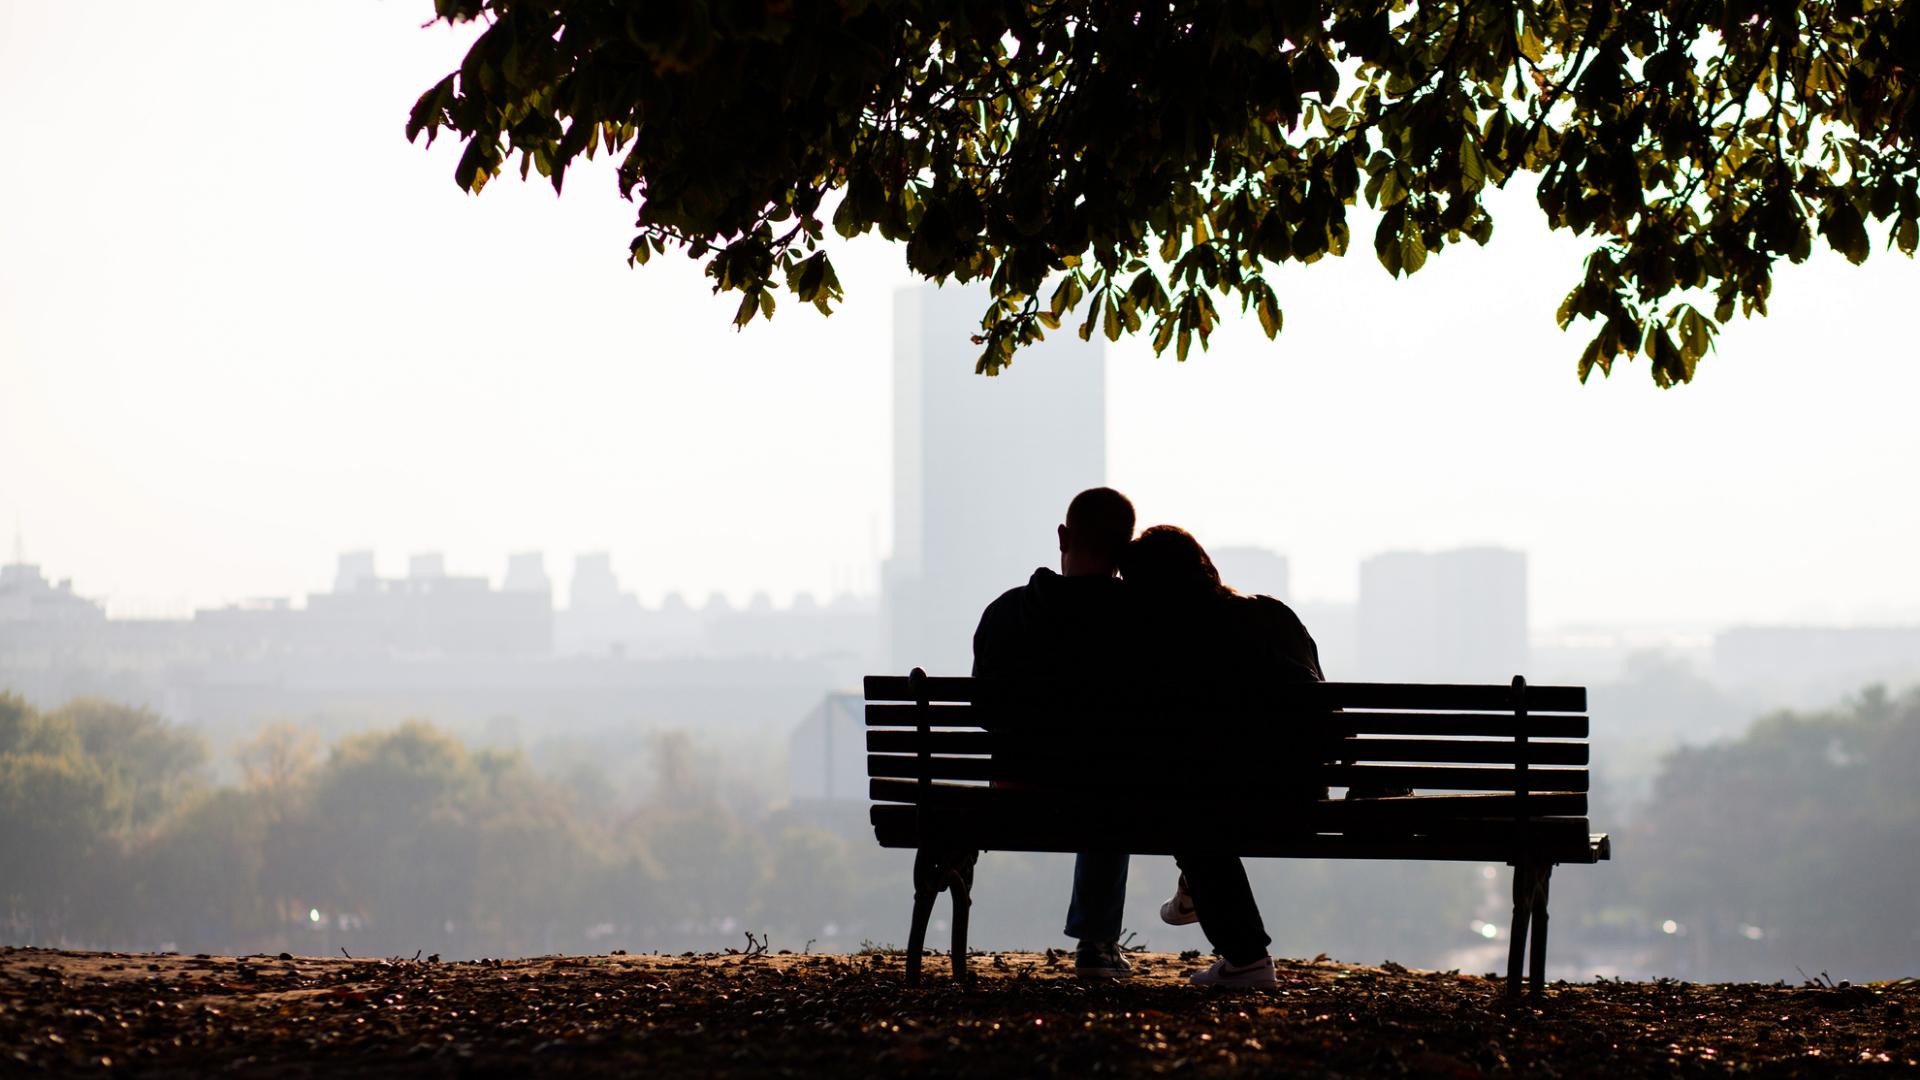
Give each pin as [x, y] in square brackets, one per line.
[209, 385]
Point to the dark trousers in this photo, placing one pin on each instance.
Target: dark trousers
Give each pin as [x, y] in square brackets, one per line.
[1224, 900]
[1099, 896]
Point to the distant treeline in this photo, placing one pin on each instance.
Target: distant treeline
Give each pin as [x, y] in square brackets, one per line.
[1791, 850]
[1790, 846]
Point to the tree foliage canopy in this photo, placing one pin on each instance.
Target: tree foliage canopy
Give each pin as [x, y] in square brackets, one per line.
[1125, 165]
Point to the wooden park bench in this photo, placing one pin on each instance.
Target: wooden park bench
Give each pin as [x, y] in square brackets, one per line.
[957, 766]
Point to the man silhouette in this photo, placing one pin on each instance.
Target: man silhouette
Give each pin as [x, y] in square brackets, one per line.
[1068, 624]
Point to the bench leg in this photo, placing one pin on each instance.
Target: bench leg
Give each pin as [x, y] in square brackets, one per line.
[934, 871]
[926, 886]
[1523, 879]
[1529, 924]
[960, 883]
[1539, 946]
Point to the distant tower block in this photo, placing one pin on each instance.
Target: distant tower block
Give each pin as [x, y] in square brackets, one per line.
[427, 566]
[593, 582]
[983, 469]
[1449, 616]
[527, 573]
[1253, 570]
[355, 572]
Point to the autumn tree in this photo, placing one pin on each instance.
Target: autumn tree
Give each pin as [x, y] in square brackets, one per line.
[1127, 166]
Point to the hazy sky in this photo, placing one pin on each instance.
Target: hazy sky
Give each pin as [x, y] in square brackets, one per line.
[244, 325]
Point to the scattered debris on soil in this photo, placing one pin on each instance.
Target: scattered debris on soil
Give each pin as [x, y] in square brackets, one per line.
[755, 1012]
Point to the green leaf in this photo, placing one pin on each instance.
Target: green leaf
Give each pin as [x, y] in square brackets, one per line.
[1846, 233]
[1530, 44]
[1473, 169]
[1162, 334]
[1696, 334]
[1272, 319]
[1386, 240]
[428, 110]
[476, 165]
[1413, 250]
[1393, 187]
[1588, 358]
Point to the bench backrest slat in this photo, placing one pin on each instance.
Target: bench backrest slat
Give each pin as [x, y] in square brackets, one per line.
[1414, 696]
[1066, 749]
[1145, 722]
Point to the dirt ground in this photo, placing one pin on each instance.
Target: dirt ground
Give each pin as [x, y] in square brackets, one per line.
[781, 1014]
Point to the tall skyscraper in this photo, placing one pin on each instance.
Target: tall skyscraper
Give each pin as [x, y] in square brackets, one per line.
[983, 469]
[1447, 616]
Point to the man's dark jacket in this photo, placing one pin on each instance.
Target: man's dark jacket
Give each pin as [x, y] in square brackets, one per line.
[1055, 626]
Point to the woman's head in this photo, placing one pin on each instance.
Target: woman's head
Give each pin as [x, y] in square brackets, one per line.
[1167, 557]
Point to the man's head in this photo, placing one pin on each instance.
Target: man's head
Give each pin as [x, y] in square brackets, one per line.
[1099, 525]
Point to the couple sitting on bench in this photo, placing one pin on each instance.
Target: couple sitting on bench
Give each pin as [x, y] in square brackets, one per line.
[1147, 606]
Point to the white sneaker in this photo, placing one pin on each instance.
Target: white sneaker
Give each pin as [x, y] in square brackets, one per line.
[1179, 911]
[1256, 975]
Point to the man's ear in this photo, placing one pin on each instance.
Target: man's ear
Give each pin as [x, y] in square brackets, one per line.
[1062, 530]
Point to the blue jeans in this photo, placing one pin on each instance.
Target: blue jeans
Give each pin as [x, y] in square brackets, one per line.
[1099, 896]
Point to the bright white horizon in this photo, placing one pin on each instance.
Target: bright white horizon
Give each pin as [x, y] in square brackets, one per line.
[244, 326]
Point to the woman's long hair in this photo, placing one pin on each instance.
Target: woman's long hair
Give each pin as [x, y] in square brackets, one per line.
[1168, 560]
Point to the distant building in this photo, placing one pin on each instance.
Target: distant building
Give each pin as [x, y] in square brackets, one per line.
[827, 752]
[355, 571]
[1448, 616]
[428, 613]
[602, 620]
[427, 566]
[27, 596]
[527, 573]
[593, 584]
[983, 469]
[446, 646]
[1252, 570]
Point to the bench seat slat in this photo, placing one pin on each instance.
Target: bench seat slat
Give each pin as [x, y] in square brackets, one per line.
[1488, 725]
[1269, 744]
[894, 715]
[1327, 812]
[1463, 750]
[1417, 696]
[1554, 839]
[1068, 747]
